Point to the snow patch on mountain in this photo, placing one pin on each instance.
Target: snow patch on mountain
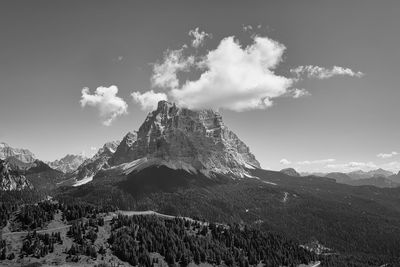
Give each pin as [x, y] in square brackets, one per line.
[83, 181]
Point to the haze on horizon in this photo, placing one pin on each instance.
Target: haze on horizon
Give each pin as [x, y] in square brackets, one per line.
[310, 85]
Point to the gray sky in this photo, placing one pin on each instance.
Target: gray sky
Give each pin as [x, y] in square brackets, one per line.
[50, 50]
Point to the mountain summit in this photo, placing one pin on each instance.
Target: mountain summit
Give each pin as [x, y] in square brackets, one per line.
[67, 164]
[181, 138]
[21, 154]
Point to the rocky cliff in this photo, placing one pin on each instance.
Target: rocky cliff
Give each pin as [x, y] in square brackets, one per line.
[21, 154]
[85, 172]
[195, 140]
[11, 179]
[67, 164]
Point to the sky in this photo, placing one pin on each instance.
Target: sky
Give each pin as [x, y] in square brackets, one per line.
[306, 84]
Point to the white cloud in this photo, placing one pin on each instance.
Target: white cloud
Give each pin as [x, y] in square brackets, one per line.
[284, 162]
[297, 93]
[105, 99]
[387, 155]
[393, 166]
[165, 73]
[231, 76]
[317, 72]
[198, 37]
[149, 99]
[236, 78]
[318, 161]
[247, 28]
[353, 165]
[93, 148]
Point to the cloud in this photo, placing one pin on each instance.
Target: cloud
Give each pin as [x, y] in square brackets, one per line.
[231, 76]
[353, 165]
[165, 73]
[236, 78]
[105, 99]
[297, 93]
[393, 166]
[318, 161]
[387, 155]
[198, 37]
[317, 72]
[93, 148]
[247, 28]
[284, 162]
[149, 99]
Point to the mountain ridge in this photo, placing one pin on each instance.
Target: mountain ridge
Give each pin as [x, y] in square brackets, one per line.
[197, 139]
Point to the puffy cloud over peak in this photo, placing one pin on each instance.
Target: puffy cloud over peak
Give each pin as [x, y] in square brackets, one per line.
[232, 77]
[149, 99]
[165, 72]
[105, 99]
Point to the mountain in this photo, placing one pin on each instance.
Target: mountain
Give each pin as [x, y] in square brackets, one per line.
[193, 140]
[21, 154]
[320, 174]
[67, 164]
[395, 177]
[340, 177]
[290, 172]
[188, 163]
[355, 178]
[369, 174]
[43, 177]
[378, 181]
[11, 180]
[26, 172]
[90, 167]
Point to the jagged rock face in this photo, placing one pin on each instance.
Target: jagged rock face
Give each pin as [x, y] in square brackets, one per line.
[68, 164]
[11, 180]
[99, 161]
[23, 155]
[290, 172]
[196, 138]
[122, 152]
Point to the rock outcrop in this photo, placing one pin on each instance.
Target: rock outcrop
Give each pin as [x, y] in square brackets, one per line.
[196, 140]
[11, 180]
[290, 172]
[91, 166]
[67, 164]
[21, 154]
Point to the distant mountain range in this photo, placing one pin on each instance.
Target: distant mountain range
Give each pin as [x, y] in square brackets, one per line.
[379, 177]
[21, 154]
[90, 167]
[68, 163]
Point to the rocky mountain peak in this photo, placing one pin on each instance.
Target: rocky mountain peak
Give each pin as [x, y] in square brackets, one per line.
[123, 148]
[21, 154]
[90, 167]
[11, 179]
[67, 163]
[290, 172]
[197, 139]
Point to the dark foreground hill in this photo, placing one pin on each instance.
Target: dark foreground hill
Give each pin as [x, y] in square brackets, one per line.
[346, 219]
